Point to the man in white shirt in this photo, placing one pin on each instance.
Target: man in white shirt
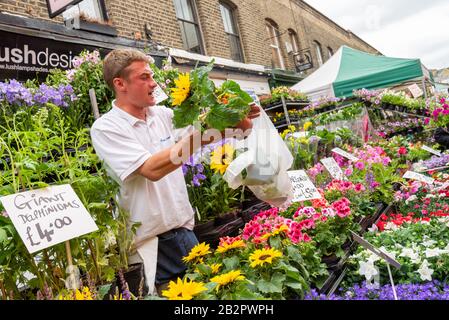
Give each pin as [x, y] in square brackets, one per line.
[136, 141]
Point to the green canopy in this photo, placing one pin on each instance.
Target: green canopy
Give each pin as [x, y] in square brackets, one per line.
[351, 69]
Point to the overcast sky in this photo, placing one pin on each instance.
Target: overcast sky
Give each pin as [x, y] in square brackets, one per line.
[397, 28]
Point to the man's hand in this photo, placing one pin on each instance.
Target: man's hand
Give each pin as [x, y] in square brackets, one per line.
[254, 112]
[247, 124]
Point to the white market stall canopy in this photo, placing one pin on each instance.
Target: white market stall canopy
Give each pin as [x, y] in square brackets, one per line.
[349, 69]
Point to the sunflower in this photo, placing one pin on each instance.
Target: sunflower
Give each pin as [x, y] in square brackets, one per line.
[182, 90]
[84, 294]
[224, 247]
[221, 157]
[215, 267]
[282, 228]
[227, 278]
[183, 290]
[262, 256]
[198, 251]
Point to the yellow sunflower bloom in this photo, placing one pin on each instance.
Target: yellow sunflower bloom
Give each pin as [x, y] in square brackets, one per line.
[200, 250]
[215, 267]
[227, 278]
[263, 256]
[84, 294]
[282, 228]
[182, 90]
[221, 157]
[183, 290]
[226, 247]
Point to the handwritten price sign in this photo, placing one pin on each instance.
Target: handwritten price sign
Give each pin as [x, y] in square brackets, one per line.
[46, 217]
[345, 154]
[418, 177]
[333, 168]
[303, 188]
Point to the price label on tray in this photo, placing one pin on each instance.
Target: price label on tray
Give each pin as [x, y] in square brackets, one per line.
[345, 154]
[333, 168]
[46, 217]
[303, 187]
[418, 177]
[431, 150]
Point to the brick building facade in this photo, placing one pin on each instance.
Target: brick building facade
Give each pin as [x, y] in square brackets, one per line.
[298, 28]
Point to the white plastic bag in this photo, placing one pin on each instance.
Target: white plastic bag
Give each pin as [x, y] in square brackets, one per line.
[266, 160]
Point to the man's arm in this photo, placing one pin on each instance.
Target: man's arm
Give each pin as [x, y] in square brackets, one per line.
[166, 161]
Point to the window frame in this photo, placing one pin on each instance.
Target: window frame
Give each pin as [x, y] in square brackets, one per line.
[319, 52]
[294, 40]
[330, 52]
[232, 13]
[272, 26]
[101, 7]
[196, 23]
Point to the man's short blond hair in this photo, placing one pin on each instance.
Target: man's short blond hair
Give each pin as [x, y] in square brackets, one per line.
[117, 61]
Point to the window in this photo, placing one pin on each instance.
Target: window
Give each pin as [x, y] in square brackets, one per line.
[90, 9]
[293, 40]
[330, 52]
[319, 53]
[190, 29]
[230, 26]
[274, 35]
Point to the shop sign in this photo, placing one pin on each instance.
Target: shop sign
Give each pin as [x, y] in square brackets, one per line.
[56, 7]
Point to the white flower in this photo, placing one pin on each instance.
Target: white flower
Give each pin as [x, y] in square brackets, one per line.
[430, 196]
[411, 254]
[412, 198]
[368, 270]
[425, 272]
[433, 252]
[429, 243]
[391, 226]
[373, 228]
[109, 238]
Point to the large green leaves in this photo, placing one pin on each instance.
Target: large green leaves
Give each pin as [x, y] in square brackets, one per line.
[222, 117]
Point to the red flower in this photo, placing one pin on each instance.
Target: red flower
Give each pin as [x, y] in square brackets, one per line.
[402, 151]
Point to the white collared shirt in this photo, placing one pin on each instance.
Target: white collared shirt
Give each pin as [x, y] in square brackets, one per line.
[125, 143]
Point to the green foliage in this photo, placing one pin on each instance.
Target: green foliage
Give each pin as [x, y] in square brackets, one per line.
[39, 148]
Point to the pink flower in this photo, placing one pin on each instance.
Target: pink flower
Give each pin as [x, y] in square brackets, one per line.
[386, 161]
[426, 121]
[328, 212]
[348, 172]
[374, 185]
[359, 187]
[360, 165]
[306, 238]
[342, 207]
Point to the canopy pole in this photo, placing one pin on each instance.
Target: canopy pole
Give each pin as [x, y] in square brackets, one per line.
[424, 87]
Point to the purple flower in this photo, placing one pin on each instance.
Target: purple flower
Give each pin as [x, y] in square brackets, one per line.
[185, 169]
[434, 290]
[196, 181]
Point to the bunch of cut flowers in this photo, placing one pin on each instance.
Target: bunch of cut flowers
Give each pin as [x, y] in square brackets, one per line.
[196, 99]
